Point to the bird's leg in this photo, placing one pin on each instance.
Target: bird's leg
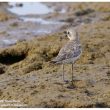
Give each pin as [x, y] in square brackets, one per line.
[72, 72]
[71, 86]
[66, 81]
[72, 82]
[63, 72]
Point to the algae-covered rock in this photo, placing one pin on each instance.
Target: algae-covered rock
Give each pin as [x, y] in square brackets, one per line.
[4, 13]
[2, 68]
[27, 75]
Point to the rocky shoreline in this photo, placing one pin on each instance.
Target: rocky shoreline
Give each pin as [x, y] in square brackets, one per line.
[26, 74]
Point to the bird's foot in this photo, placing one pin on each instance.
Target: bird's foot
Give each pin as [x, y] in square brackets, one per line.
[71, 85]
[66, 81]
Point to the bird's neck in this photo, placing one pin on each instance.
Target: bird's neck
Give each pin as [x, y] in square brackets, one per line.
[75, 40]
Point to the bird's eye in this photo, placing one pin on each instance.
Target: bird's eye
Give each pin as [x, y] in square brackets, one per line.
[68, 33]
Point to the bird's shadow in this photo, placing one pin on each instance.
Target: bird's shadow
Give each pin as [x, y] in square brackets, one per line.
[69, 84]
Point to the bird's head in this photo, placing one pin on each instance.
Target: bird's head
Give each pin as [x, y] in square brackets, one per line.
[71, 34]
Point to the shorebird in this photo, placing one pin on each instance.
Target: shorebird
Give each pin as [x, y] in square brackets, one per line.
[70, 52]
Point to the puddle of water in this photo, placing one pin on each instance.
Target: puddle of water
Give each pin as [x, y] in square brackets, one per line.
[63, 10]
[28, 26]
[29, 8]
[40, 20]
[42, 31]
[7, 42]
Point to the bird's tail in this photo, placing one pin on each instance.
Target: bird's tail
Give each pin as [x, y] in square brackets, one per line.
[54, 61]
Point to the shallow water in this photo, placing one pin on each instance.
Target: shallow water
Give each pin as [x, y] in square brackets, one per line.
[30, 23]
[29, 8]
[40, 20]
[63, 10]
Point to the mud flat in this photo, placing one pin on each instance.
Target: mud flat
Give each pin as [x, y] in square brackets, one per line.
[27, 76]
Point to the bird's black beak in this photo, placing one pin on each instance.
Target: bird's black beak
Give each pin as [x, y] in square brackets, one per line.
[65, 34]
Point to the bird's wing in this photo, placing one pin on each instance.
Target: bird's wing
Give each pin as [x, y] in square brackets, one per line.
[68, 51]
